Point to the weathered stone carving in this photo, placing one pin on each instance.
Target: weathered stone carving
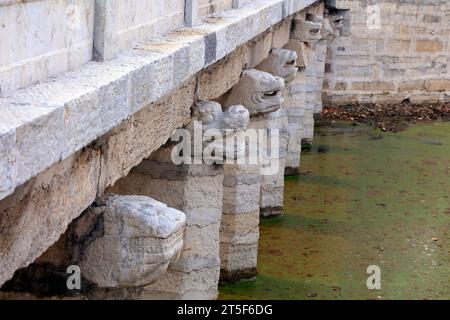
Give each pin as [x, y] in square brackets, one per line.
[258, 91]
[210, 114]
[141, 237]
[197, 191]
[229, 123]
[119, 243]
[335, 24]
[309, 29]
[282, 63]
[339, 20]
[300, 49]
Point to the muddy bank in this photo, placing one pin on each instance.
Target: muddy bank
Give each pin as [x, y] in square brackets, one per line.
[389, 117]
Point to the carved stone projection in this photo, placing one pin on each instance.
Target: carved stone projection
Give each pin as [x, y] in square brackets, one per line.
[210, 114]
[336, 23]
[228, 123]
[120, 244]
[197, 190]
[331, 28]
[261, 93]
[258, 91]
[307, 30]
[281, 63]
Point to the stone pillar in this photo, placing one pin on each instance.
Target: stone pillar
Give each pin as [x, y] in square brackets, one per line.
[197, 190]
[261, 93]
[281, 63]
[118, 245]
[239, 229]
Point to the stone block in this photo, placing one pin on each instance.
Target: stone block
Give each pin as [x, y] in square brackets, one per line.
[281, 33]
[410, 86]
[424, 99]
[239, 246]
[217, 79]
[373, 86]
[398, 46]
[429, 46]
[437, 85]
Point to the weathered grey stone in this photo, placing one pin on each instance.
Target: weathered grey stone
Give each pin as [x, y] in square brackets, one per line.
[281, 63]
[241, 196]
[113, 99]
[258, 91]
[239, 236]
[300, 48]
[7, 164]
[200, 197]
[307, 30]
[42, 39]
[116, 82]
[35, 216]
[141, 237]
[121, 242]
[211, 116]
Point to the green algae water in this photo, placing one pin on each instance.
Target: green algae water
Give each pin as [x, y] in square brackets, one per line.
[364, 197]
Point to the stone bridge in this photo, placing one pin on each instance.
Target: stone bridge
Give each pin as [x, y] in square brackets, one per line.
[92, 94]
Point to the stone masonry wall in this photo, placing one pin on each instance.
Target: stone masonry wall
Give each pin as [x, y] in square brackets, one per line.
[397, 49]
[42, 38]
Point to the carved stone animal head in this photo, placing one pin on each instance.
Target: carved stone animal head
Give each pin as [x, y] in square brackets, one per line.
[332, 26]
[141, 238]
[236, 117]
[281, 63]
[258, 91]
[300, 49]
[339, 20]
[118, 242]
[309, 29]
[233, 119]
[210, 114]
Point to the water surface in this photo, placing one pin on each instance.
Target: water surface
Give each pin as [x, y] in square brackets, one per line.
[364, 197]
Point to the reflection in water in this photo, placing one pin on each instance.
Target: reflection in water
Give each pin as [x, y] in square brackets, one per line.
[364, 198]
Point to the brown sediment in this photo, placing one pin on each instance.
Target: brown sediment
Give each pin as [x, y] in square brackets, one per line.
[387, 117]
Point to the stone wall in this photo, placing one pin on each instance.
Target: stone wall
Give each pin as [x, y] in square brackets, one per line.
[43, 38]
[397, 50]
[121, 24]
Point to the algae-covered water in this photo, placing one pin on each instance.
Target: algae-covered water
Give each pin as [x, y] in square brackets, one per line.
[364, 197]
